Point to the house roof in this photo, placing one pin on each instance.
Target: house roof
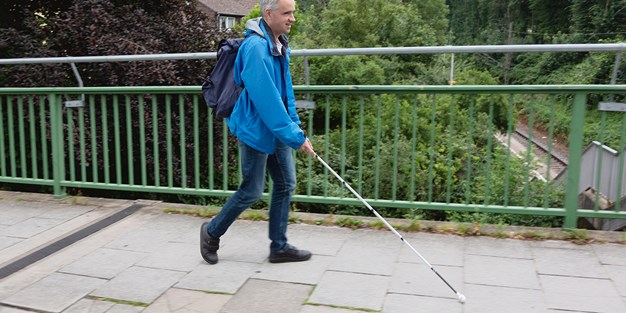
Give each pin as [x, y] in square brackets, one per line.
[230, 7]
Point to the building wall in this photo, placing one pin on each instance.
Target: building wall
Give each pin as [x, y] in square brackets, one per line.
[209, 12]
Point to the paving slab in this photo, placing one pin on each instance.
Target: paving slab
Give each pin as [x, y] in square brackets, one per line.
[154, 258]
[30, 227]
[309, 272]
[401, 303]
[120, 308]
[309, 308]
[13, 212]
[37, 271]
[435, 248]
[353, 290]
[568, 262]
[96, 306]
[104, 263]
[11, 216]
[328, 239]
[45, 295]
[91, 306]
[174, 224]
[225, 276]
[618, 276]
[581, 294]
[261, 296]
[611, 254]
[69, 223]
[487, 246]
[495, 299]
[188, 301]
[174, 256]
[6, 309]
[498, 271]
[419, 279]
[142, 239]
[243, 249]
[367, 259]
[382, 238]
[558, 244]
[6, 241]
[245, 241]
[64, 211]
[138, 284]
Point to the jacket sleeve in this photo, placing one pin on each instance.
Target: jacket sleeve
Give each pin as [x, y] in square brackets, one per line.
[258, 76]
[291, 98]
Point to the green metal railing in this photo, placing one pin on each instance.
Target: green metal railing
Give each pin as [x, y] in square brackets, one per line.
[408, 147]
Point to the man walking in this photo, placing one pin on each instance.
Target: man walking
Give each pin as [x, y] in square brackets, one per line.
[267, 126]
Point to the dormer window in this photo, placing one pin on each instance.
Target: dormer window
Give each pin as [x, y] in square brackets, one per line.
[226, 22]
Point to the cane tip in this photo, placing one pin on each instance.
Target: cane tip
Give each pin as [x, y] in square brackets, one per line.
[461, 297]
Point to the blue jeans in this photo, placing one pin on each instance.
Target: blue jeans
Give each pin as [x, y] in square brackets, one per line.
[282, 170]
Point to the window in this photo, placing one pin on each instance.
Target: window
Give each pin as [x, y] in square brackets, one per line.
[226, 22]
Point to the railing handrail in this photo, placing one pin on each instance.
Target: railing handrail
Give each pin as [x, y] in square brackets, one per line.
[608, 47]
[97, 146]
[373, 89]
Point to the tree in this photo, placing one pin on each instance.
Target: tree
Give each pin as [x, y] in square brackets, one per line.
[476, 22]
[550, 18]
[380, 23]
[372, 23]
[99, 27]
[102, 27]
[594, 20]
[13, 13]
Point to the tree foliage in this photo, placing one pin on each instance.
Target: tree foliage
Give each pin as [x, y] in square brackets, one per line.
[13, 13]
[371, 23]
[101, 27]
[536, 21]
[108, 27]
[34, 28]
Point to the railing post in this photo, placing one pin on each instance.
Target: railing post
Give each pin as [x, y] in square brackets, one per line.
[56, 130]
[575, 154]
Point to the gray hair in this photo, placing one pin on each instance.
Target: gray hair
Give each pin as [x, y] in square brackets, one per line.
[271, 4]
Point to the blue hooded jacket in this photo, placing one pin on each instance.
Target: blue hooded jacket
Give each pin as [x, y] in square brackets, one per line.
[266, 109]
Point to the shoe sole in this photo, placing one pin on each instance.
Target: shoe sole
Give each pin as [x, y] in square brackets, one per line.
[203, 237]
[287, 259]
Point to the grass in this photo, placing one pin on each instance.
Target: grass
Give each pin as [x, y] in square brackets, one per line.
[216, 292]
[413, 226]
[294, 219]
[532, 235]
[376, 225]
[356, 309]
[349, 222]
[206, 213]
[255, 216]
[579, 236]
[501, 231]
[118, 301]
[465, 229]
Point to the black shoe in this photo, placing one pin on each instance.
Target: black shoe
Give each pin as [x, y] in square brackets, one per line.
[292, 254]
[208, 245]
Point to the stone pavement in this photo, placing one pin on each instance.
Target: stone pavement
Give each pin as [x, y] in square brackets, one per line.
[149, 262]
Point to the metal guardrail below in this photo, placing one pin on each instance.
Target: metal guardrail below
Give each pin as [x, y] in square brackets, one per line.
[610, 47]
[402, 147]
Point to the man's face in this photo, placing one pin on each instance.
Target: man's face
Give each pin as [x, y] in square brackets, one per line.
[282, 18]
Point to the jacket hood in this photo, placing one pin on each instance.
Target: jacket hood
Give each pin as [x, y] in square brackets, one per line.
[253, 25]
[260, 27]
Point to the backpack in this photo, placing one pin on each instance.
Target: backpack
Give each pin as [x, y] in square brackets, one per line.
[219, 89]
